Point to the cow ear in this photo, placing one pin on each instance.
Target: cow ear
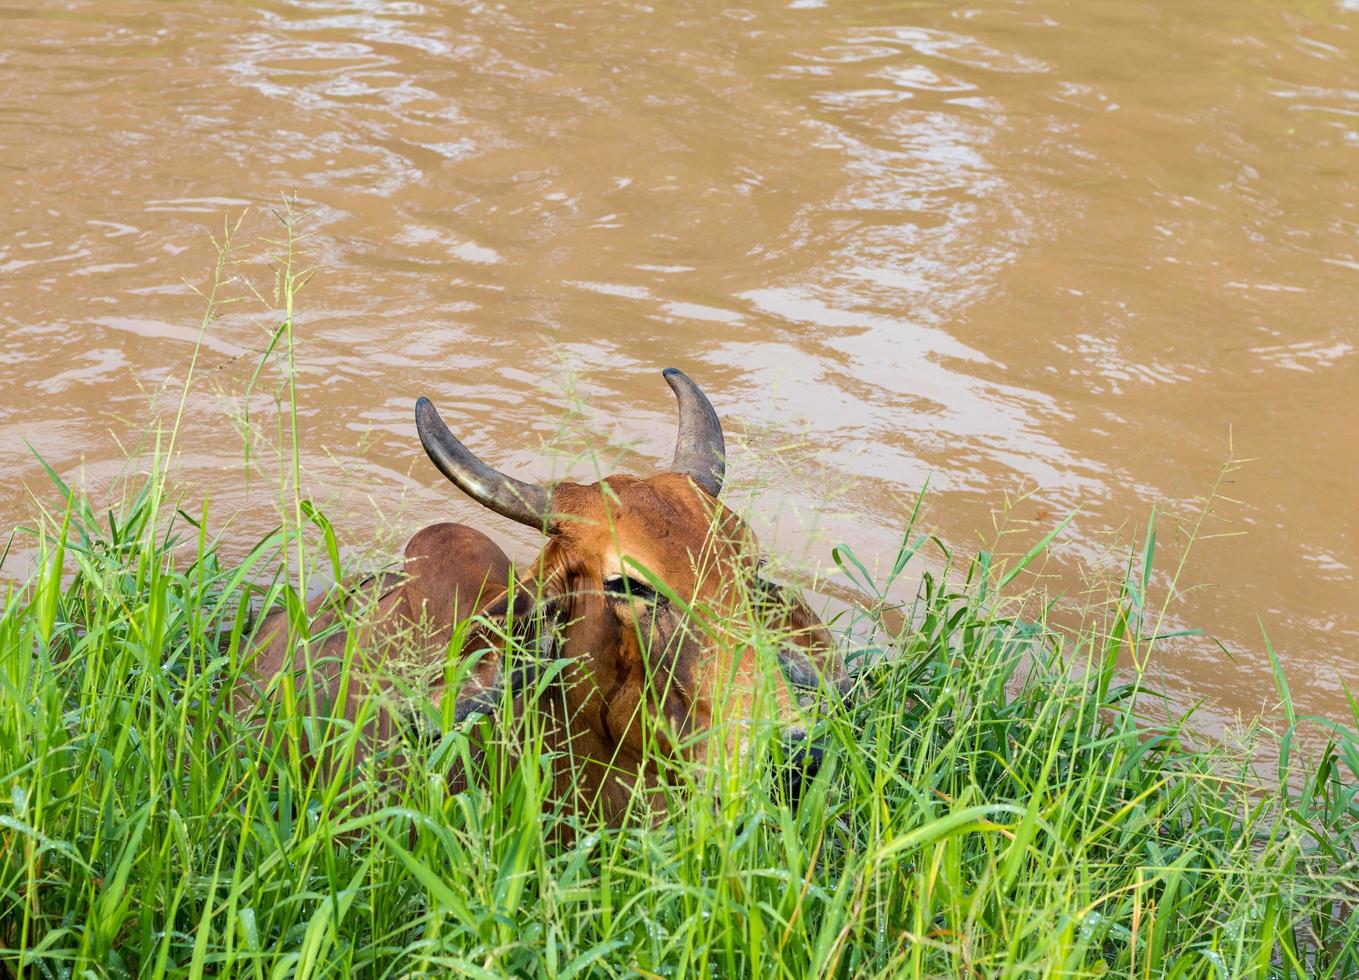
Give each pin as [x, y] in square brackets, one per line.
[512, 638]
[807, 655]
[481, 692]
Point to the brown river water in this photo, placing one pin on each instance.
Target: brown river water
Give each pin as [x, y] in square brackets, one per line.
[1046, 255]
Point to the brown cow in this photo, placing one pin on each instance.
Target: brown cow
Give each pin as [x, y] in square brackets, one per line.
[636, 589]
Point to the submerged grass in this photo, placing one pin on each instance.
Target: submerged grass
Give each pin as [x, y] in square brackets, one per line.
[993, 802]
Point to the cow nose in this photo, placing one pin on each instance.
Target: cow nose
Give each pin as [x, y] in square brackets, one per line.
[802, 760]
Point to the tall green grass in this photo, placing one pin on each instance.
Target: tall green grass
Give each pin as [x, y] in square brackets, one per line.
[994, 800]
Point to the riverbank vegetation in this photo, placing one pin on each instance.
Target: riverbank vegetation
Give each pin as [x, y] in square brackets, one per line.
[992, 802]
[1000, 796]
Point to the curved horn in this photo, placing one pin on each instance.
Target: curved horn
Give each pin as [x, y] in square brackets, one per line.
[526, 503]
[700, 451]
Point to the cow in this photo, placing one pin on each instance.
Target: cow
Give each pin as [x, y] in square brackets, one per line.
[632, 596]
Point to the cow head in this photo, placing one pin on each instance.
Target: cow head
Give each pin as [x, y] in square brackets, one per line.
[643, 580]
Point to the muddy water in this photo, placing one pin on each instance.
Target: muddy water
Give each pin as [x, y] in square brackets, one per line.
[1045, 255]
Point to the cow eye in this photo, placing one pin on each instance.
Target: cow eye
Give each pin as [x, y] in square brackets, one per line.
[627, 587]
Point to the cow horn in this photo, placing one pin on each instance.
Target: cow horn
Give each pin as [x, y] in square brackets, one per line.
[526, 503]
[700, 451]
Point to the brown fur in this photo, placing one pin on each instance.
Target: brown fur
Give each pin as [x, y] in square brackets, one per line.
[644, 679]
[449, 572]
[614, 699]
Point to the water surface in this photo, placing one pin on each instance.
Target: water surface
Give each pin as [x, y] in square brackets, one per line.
[1045, 255]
